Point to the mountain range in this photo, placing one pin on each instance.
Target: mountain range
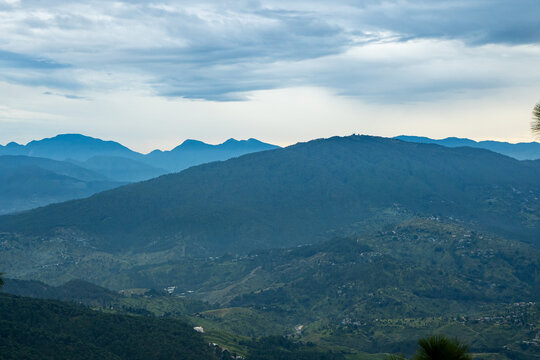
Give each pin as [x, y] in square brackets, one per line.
[114, 164]
[98, 153]
[72, 166]
[356, 244]
[301, 194]
[193, 152]
[520, 151]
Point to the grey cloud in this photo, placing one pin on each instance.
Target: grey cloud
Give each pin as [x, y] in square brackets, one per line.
[67, 96]
[10, 59]
[475, 21]
[220, 50]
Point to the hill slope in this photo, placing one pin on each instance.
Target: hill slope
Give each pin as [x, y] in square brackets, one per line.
[121, 168]
[29, 182]
[299, 194]
[11, 162]
[46, 329]
[377, 292]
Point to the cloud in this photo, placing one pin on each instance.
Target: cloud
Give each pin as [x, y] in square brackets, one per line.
[13, 60]
[393, 50]
[67, 96]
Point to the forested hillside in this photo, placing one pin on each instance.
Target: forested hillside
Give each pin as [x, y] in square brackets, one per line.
[46, 329]
[299, 194]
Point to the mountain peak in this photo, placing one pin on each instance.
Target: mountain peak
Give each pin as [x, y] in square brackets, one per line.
[191, 144]
[67, 137]
[13, 144]
[69, 146]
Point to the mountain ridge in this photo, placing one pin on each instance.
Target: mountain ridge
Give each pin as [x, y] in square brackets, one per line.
[107, 161]
[36, 147]
[257, 200]
[69, 146]
[520, 151]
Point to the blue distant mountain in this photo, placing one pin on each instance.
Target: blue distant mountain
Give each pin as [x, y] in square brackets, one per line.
[71, 166]
[194, 152]
[118, 162]
[69, 146]
[520, 151]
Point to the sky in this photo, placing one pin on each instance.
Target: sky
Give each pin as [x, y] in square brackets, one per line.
[152, 74]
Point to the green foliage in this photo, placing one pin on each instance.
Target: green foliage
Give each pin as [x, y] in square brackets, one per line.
[535, 126]
[439, 347]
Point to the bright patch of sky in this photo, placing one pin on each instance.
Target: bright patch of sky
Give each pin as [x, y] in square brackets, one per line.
[150, 74]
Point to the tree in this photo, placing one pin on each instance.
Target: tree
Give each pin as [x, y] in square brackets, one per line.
[1, 279]
[439, 347]
[535, 126]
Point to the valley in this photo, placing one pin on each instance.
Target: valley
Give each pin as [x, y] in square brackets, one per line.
[357, 295]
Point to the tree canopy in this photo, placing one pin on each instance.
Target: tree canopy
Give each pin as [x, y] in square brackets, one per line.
[438, 347]
[536, 119]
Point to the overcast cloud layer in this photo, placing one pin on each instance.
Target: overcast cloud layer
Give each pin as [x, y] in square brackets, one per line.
[377, 52]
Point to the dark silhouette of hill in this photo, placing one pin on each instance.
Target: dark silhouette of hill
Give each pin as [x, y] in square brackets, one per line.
[303, 193]
[520, 151]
